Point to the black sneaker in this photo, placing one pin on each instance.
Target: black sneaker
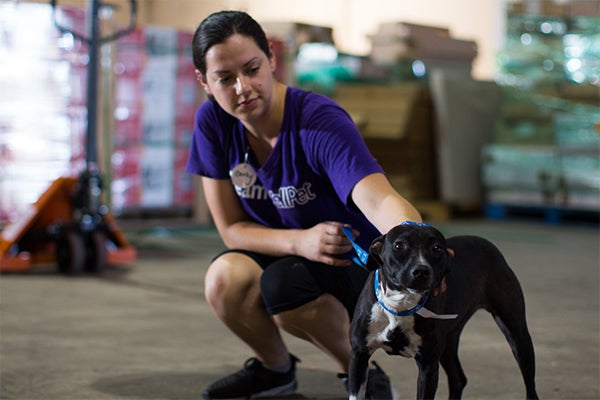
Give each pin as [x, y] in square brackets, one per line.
[378, 383]
[254, 381]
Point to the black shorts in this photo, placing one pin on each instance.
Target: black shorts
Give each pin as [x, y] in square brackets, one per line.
[290, 282]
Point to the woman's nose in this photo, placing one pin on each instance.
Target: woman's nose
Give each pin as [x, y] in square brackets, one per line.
[241, 85]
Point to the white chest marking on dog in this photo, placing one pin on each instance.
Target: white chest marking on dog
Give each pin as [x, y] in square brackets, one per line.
[383, 323]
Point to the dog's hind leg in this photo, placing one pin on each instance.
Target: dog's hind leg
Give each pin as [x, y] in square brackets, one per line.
[515, 330]
[451, 364]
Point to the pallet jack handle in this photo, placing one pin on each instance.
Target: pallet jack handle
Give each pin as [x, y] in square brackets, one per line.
[94, 41]
[95, 6]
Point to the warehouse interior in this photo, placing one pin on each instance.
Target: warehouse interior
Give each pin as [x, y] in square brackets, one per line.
[485, 115]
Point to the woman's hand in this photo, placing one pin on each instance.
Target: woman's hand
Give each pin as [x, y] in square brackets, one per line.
[326, 243]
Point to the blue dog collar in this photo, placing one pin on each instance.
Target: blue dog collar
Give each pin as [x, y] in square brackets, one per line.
[411, 311]
[415, 223]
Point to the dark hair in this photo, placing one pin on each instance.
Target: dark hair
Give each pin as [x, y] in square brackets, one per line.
[219, 26]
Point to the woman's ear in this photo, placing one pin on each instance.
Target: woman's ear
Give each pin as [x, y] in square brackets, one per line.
[202, 81]
[272, 58]
[450, 252]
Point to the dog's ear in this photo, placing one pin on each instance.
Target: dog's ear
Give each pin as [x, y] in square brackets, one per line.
[374, 261]
[449, 257]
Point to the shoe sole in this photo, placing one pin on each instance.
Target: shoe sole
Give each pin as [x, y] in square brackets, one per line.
[283, 390]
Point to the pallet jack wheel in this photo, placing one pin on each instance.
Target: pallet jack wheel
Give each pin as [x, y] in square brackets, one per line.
[70, 252]
[97, 253]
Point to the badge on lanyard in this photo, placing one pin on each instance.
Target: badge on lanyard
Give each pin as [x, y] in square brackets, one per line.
[243, 175]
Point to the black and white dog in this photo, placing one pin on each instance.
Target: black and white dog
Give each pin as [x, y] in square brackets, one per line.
[421, 294]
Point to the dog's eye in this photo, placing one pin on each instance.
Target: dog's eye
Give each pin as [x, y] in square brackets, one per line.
[400, 246]
[437, 249]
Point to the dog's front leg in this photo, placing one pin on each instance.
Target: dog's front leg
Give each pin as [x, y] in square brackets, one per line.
[357, 374]
[427, 383]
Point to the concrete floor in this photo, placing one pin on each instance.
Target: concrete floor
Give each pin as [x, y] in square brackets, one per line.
[144, 331]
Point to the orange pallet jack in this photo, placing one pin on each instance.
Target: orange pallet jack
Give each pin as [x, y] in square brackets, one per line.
[69, 224]
[47, 232]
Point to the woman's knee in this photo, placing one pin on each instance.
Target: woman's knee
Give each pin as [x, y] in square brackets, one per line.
[231, 276]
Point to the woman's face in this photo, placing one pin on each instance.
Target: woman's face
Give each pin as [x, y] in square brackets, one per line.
[240, 77]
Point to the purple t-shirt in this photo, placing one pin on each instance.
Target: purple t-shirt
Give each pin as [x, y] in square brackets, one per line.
[309, 175]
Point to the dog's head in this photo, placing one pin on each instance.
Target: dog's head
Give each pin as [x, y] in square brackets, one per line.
[411, 256]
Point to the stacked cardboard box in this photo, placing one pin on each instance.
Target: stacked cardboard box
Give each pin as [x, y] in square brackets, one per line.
[156, 98]
[546, 147]
[126, 183]
[551, 43]
[399, 43]
[550, 157]
[396, 122]
[545, 152]
[525, 175]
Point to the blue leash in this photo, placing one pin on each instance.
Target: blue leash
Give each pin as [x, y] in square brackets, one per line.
[361, 255]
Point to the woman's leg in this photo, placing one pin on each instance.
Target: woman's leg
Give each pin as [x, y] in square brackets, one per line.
[323, 322]
[314, 302]
[233, 292]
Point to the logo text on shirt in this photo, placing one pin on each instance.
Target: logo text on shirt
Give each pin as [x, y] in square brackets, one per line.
[289, 196]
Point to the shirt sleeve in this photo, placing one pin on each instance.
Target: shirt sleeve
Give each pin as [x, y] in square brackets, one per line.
[207, 155]
[335, 148]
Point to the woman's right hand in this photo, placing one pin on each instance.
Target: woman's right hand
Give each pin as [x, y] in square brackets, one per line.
[326, 243]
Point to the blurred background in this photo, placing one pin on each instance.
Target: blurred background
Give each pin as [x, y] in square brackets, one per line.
[485, 114]
[489, 107]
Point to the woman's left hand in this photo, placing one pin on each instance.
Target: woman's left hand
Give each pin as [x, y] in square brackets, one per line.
[325, 242]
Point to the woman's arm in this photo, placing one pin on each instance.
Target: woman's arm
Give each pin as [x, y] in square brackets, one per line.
[381, 204]
[319, 243]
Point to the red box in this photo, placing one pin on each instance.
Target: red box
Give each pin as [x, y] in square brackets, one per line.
[186, 97]
[184, 131]
[127, 132]
[183, 189]
[130, 60]
[126, 186]
[129, 91]
[184, 50]
[78, 78]
[126, 161]
[136, 38]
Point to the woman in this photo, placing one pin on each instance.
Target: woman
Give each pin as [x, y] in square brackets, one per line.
[283, 171]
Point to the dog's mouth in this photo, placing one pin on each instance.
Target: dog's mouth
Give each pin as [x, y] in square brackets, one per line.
[424, 287]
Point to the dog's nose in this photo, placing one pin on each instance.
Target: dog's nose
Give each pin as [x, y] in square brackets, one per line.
[421, 271]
